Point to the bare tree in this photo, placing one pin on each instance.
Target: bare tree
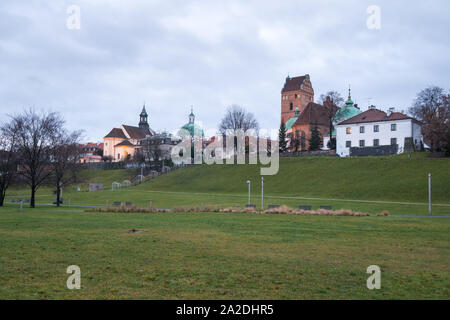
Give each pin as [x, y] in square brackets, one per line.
[331, 108]
[335, 97]
[35, 133]
[236, 118]
[151, 151]
[8, 159]
[65, 153]
[432, 107]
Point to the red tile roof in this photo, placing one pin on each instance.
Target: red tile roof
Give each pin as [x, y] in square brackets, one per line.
[313, 114]
[116, 133]
[293, 84]
[136, 132]
[375, 115]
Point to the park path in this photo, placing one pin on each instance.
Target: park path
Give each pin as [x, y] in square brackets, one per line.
[292, 197]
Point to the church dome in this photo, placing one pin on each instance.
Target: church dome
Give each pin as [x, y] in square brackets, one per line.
[348, 111]
[191, 127]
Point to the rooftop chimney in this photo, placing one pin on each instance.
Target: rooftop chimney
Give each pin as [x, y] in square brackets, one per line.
[390, 111]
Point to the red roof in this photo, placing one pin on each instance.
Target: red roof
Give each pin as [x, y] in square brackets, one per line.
[315, 114]
[293, 84]
[375, 115]
[116, 133]
[136, 132]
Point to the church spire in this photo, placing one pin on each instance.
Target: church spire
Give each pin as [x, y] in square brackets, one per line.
[143, 112]
[143, 119]
[349, 102]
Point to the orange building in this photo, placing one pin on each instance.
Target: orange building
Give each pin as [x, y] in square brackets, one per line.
[120, 144]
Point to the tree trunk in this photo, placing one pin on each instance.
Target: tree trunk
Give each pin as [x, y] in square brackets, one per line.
[58, 193]
[2, 197]
[33, 193]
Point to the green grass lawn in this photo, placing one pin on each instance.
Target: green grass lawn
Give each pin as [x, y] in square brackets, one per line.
[220, 256]
[237, 256]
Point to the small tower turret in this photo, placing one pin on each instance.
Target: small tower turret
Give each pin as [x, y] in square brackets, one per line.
[143, 119]
[191, 115]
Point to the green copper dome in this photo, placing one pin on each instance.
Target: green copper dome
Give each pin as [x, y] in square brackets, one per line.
[191, 127]
[348, 111]
[292, 120]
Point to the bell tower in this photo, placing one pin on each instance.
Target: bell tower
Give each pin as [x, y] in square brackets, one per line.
[143, 119]
[297, 92]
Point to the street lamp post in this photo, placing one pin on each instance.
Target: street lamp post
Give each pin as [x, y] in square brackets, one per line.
[429, 194]
[248, 182]
[262, 193]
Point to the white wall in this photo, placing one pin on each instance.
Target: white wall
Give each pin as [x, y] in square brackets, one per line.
[405, 128]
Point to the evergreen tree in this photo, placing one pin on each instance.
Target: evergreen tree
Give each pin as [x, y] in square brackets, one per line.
[282, 138]
[315, 140]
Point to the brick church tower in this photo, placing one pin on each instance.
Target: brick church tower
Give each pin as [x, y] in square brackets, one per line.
[297, 92]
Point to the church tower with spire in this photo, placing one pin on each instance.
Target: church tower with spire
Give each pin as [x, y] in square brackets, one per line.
[143, 119]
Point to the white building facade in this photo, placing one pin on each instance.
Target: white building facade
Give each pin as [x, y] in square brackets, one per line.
[374, 130]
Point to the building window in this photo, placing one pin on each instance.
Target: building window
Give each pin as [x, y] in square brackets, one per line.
[361, 143]
[348, 144]
[376, 128]
[291, 106]
[376, 142]
[361, 129]
[348, 130]
[393, 141]
[393, 127]
[296, 96]
[118, 156]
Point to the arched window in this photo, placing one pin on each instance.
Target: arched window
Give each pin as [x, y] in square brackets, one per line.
[291, 106]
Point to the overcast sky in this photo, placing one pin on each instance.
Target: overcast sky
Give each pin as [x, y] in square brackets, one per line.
[210, 54]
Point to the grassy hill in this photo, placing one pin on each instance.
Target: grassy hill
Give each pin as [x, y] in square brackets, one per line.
[397, 178]
[334, 180]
